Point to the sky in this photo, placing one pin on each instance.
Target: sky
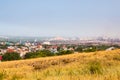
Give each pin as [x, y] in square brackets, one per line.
[60, 18]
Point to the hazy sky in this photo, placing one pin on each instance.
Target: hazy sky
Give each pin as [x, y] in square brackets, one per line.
[60, 17]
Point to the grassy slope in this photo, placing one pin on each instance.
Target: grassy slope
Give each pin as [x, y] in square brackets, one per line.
[102, 65]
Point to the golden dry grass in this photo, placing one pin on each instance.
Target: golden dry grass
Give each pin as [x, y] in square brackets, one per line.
[102, 65]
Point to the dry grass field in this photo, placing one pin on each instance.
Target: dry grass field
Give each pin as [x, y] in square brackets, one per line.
[101, 65]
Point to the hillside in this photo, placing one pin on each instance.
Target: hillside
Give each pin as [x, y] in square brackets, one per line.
[102, 65]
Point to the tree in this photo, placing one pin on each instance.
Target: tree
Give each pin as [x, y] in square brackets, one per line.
[43, 53]
[11, 56]
[79, 49]
[30, 55]
[63, 52]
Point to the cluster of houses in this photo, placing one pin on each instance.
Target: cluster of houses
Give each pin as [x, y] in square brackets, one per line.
[30, 47]
[26, 47]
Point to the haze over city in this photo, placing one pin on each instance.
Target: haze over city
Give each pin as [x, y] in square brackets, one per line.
[60, 18]
[59, 39]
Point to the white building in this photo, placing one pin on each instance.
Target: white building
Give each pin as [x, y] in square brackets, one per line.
[46, 43]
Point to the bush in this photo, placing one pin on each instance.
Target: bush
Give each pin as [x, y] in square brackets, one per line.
[31, 55]
[11, 56]
[79, 49]
[42, 53]
[45, 53]
[64, 52]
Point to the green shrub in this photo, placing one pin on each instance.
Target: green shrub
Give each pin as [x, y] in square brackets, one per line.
[11, 56]
[43, 53]
[79, 49]
[31, 55]
[64, 52]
